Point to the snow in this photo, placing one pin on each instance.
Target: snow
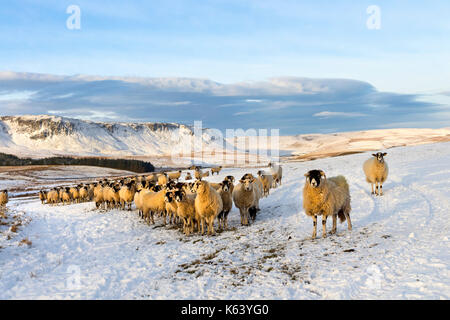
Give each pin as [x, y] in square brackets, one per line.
[398, 248]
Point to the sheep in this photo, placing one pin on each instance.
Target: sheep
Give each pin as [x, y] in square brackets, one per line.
[227, 201]
[75, 194]
[174, 175]
[126, 195]
[198, 173]
[231, 179]
[138, 200]
[162, 179]
[326, 197]
[266, 181]
[152, 178]
[376, 170]
[3, 198]
[153, 202]
[43, 196]
[171, 206]
[188, 176]
[84, 193]
[208, 204]
[53, 196]
[205, 174]
[65, 196]
[277, 173]
[186, 210]
[245, 199]
[258, 186]
[111, 196]
[216, 170]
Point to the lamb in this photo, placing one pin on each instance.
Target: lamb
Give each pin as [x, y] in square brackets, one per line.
[53, 196]
[376, 170]
[326, 197]
[43, 196]
[186, 210]
[227, 201]
[266, 181]
[277, 173]
[208, 204]
[188, 176]
[245, 199]
[216, 170]
[126, 195]
[3, 198]
[231, 179]
[174, 175]
[153, 202]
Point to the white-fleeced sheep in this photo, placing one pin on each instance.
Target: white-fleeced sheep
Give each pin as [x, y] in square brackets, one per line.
[266, 181]
[3, 198]
[163, 179]
[43, 196]
[376, 170]
[326, 197]
[245, 199]
[153, 203]
[126, 195]
[216, 170]
[277, 173]
[208, 204]
[174, 175]
[53, 196]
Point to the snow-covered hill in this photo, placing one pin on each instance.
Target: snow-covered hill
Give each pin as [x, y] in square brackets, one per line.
[398, 248]
[38, 136]
[165, 144]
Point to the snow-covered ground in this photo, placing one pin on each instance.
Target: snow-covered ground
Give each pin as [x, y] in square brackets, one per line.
[398, 249]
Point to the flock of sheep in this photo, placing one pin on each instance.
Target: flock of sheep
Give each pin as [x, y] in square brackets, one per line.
[196, 205]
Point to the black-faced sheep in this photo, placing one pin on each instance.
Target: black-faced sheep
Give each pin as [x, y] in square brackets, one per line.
[326, 197]
[186, 210]
[126, 195]
[174, 175]
[376, 170]
[227, 201]
[43, 196]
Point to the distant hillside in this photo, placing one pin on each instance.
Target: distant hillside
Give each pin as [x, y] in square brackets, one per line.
[120, 164]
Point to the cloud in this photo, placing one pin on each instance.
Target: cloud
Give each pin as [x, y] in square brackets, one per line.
[328, 114]
[292, 104]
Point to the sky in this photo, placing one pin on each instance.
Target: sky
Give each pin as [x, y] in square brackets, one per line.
[300, 66]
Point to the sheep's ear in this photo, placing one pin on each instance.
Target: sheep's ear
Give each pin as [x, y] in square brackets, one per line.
[374, 155]
[242, 181]
[384, 154]
[306, 174]
[322, 174]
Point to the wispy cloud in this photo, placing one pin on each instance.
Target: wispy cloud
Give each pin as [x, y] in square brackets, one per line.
[293, 105]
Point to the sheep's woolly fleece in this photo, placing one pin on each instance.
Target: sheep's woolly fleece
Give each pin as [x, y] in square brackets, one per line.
[398, 248]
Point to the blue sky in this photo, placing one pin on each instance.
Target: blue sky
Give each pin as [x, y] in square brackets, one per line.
[402, 69]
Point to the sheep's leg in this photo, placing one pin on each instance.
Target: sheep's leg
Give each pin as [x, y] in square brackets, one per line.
[314, 235]
[333, 230]
[381, 189]
[211, 226]
[372, 188]
[377, 188]
[324, 226]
